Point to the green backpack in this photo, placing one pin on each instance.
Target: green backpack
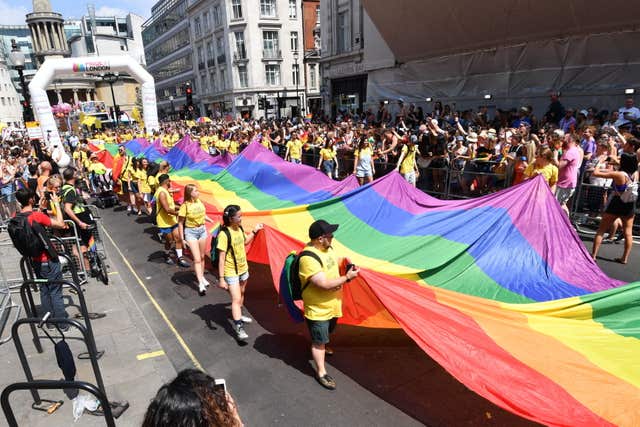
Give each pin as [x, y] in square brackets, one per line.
[290, 286]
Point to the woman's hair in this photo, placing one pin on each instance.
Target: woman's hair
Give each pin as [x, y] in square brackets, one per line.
[164, 166]
[190, 400]
[153, 169]
[188, 191]
[52, 181]
[628, 163]
[228, 213]
[547, 154]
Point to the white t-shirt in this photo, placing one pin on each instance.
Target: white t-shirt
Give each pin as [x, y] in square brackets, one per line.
[633, 114]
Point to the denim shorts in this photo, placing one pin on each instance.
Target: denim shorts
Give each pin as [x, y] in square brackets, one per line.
[410, 177]
[195, 233]
[235, 280]
[564, 194]
[167, 230]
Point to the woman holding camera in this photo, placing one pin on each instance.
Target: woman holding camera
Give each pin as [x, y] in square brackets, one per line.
[626, 176]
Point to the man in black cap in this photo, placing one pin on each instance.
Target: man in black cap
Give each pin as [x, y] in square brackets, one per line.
[322, 292]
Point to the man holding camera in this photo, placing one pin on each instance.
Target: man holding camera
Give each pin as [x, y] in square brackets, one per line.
[322, 293]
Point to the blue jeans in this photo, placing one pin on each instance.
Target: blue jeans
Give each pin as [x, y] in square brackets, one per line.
[50, 294]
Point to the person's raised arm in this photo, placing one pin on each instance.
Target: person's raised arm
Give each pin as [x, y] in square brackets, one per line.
[58, 220]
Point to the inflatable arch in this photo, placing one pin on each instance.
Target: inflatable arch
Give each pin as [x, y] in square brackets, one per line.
[98, 64]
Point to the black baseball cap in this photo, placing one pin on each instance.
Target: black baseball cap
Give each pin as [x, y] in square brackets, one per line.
[321, 228]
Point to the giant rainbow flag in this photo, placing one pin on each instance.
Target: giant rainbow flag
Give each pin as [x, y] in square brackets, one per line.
[499, 290]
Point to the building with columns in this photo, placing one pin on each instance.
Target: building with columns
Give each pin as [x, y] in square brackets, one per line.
[47, 31]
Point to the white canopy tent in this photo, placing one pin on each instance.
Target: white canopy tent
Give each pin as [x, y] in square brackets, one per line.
[53, 67]
[515, 50]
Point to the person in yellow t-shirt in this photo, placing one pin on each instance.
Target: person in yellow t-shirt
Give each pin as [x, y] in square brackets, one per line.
[543, 165]
[233, 269]
[223, 146]
[328, 160]
[166, 219]
[294, 149]
[234, 144]
[407, 165]
[191, 222]
[322, 292]
[143, 184]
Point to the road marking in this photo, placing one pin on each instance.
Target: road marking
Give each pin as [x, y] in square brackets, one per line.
[172, 328]
[144, 356]
[112, 272]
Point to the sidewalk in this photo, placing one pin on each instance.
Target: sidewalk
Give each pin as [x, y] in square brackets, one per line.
[124, 335]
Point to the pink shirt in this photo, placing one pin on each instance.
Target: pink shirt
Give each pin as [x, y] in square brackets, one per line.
[568, 175]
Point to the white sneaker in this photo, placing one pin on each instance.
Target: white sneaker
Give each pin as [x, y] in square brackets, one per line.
[206, 283]
[241, 333]
[246, 319]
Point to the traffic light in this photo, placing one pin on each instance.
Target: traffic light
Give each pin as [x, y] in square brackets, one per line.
[189, 91]
[261, 103]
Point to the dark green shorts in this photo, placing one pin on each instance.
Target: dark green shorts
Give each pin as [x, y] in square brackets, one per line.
[320, 329]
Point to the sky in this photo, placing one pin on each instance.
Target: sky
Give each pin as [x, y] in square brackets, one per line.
[14, 11]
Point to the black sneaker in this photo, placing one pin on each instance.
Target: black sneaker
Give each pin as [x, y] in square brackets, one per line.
[183, 263]
[241, 333]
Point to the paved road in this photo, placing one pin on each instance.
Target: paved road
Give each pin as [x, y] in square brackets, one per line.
[383, 377]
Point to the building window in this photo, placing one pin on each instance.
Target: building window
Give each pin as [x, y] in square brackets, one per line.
[317, 15]
[196, 27]
[268, 8]
[313, 79]
[217, 17]
[342, 33]
[236, 6]
[295, 74]
[205, 21]
[241, 52]
[243, 77]
[270, 42]
[272, 74]
[223, 79]
[294, 41]
[293, 9]
[210, 53]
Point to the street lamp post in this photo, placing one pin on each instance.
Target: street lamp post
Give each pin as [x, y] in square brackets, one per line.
[173, 111]
[111, 78]
[296, 56]
[17, 58]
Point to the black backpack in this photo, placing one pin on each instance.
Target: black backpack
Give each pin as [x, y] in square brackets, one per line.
[214, 254]
[29, 239]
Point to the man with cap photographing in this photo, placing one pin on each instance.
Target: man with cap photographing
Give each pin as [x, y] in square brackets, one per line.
[322, 293]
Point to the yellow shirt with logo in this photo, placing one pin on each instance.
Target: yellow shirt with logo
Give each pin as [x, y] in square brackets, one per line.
[320, 304]
[193, 213]
[234, 147]
[141, 175]
[163, 218]
[295, 149]
[237, 243]
[409, 158]
[152, 182]
[327, 154]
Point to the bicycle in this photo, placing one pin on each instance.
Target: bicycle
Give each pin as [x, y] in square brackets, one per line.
[97, 262]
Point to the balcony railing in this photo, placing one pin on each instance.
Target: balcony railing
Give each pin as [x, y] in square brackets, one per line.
[272, 54]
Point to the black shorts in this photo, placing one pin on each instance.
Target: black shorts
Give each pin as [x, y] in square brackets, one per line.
[619, 208]
[320, 329]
